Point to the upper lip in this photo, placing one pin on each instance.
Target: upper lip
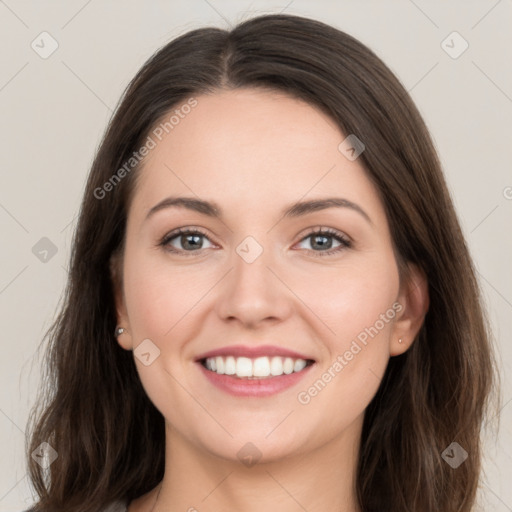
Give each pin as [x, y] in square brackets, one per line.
[253, 352]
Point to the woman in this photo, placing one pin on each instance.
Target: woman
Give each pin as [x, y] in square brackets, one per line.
[270, 305]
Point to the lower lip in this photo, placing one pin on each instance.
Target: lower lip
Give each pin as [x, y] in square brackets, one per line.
[254, 387]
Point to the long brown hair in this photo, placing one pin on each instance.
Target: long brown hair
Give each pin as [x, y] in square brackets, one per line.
[92, 408]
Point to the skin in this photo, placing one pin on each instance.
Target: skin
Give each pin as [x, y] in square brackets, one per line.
[254, 152]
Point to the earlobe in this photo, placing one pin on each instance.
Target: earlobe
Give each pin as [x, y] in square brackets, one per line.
[119, 331]
[123, 337]
[122, 333]
[414, 298]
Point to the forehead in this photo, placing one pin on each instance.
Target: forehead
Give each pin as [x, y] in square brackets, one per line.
[249, 147]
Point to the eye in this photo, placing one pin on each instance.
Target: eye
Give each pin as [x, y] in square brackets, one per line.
[190, 240]
[322, 239]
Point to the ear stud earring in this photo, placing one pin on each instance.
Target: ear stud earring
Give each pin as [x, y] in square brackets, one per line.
[399, 340]
[119, 331]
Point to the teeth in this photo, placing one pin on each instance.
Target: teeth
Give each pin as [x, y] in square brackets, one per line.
[219, 363]
[243, 367]
[230, 366]
[299, 365]
[261, 367]
[254, 368]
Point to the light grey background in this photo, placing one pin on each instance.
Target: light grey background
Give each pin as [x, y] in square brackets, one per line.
[54, 112]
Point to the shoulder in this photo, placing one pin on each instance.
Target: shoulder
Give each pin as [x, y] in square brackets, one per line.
[116, 506]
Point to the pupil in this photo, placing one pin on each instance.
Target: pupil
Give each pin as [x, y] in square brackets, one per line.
[187, 237]
[322, 244]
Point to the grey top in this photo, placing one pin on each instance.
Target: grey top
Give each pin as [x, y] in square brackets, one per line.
[116, 506]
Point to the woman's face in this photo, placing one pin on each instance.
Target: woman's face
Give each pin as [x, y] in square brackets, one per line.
[257, 285]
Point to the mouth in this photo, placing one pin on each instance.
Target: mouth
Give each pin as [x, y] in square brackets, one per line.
[258, 368]
[256, 376]
[254, 370]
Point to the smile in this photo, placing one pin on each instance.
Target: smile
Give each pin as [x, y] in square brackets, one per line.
[247, 379]
[255, 368]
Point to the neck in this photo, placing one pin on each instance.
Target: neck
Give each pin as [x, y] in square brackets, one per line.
[323, 479]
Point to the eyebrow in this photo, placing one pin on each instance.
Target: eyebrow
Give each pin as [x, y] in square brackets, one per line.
[212, 209]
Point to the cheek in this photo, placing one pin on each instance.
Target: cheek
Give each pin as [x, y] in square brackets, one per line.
[160, 301]
[350, 298]
[159, 294]
[355, 315]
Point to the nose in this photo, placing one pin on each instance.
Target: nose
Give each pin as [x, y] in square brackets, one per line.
[254, 292]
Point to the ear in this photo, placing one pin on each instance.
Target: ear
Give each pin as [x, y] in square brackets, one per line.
[414, 299]
[116, 276]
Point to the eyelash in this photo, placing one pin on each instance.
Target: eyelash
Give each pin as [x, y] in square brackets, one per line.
[345, 243]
